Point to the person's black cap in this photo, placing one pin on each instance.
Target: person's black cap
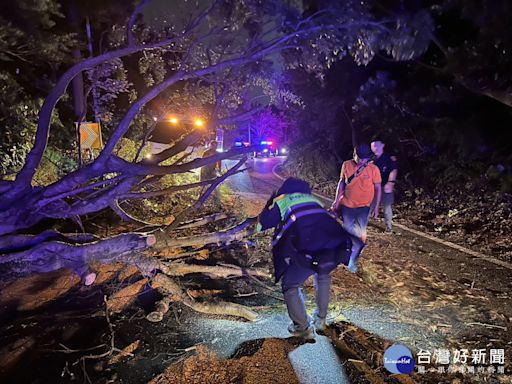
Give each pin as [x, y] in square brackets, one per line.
[293, 185]
[363, 151]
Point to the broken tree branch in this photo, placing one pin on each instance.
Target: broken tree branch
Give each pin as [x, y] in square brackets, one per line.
[131, 21]
[199, 203]
[168, 287]
[53, 255]
[125, 216]
[15, 243]
[203, 220]
[235, 233]
[182, 269]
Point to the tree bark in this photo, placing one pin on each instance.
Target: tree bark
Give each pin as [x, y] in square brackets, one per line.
[203, 221]
[14, 243]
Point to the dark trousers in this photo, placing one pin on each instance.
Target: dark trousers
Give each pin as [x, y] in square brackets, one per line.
[292, 282]
[386, 202]
[355, 220]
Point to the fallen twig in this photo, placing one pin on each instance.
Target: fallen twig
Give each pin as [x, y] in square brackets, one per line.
[488, 325]
[203, 220]
[266, 287]
[246, 294]
[69, 350]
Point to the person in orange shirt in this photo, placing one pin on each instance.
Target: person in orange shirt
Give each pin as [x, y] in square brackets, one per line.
[360, 182]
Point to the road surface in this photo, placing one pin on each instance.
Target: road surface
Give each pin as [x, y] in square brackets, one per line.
[432, 296]
[259, 179]
[313, 363]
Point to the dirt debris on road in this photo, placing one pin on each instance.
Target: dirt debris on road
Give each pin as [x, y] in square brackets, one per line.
[268, 364]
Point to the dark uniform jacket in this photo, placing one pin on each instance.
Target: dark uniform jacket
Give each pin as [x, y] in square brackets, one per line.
[305, 233]
[386, 164]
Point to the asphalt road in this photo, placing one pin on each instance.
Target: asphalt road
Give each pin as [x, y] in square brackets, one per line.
[255, 186]
[314, 363]
[259, 179]
[318, 363]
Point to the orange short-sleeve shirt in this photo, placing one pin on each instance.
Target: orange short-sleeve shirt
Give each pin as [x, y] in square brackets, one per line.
[360, 191]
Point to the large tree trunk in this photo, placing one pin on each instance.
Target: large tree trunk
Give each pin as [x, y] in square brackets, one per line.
[53, 255]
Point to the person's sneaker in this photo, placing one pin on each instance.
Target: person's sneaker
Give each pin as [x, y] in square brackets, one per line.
[308, 333]
[352, 265]
[320, 323]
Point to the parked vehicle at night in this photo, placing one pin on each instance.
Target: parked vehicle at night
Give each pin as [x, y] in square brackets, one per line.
[266, 148]
[282, 151]
[170, 129]
[239, 144]
[263, 147]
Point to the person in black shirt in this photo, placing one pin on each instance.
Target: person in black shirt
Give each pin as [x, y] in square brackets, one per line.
[388, 171]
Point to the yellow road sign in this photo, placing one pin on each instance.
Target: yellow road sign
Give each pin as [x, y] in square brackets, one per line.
[90, 135]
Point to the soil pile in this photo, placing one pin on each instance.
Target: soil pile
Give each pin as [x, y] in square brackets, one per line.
[269, 364]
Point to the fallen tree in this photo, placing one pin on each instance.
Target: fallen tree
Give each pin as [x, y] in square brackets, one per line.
[200, 53]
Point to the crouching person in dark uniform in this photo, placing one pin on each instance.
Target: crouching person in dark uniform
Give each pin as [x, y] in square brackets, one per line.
[307, 241]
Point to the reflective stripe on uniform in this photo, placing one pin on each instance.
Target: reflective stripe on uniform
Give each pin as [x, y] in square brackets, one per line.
[289, 201]
[293, 218]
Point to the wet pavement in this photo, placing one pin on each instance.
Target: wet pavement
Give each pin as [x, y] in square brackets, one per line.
[384, 321]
